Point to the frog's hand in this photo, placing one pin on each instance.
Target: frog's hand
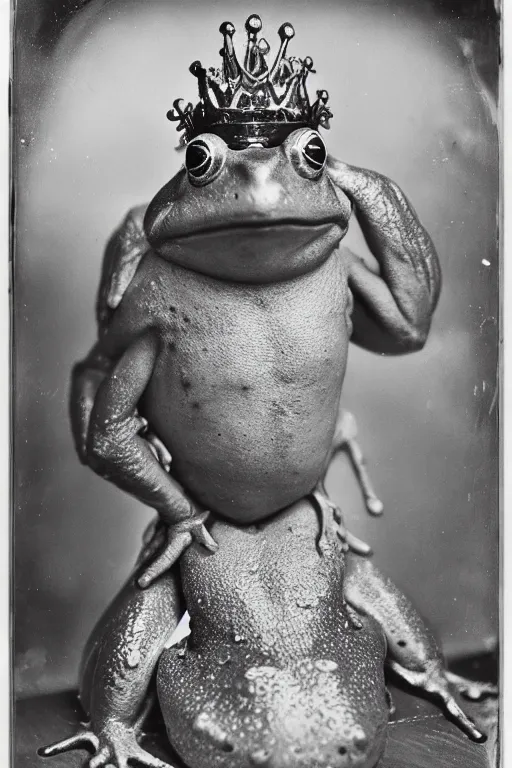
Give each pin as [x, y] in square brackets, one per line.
[123, 254]
[394, 303]
[344, 439]
[412, 650]
[168, 543]
[117, 671]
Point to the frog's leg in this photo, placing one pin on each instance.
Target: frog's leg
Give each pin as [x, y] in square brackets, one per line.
[344, 439]
[117, 672]
[412, 651]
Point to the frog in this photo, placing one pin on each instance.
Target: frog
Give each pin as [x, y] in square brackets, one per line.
[238, 364]
[213, 394]
[285, 663]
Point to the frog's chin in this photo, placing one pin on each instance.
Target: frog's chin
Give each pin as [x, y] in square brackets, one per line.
[259, 252]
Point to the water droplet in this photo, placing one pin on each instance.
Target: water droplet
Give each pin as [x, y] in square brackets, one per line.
[239, 639]
[133, 659]
[326, 665]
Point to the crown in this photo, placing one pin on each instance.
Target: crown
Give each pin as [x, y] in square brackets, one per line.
[252, 103]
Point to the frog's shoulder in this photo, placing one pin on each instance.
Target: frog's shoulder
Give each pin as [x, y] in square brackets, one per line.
[123, 254]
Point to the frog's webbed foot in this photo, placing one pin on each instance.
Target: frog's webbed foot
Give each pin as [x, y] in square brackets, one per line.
[170, 541]
[471, 689]
[115, 746]
[331, 518]
[435, 682]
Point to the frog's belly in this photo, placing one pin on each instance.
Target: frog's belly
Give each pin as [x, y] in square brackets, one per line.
[245, 396]
[275, 666]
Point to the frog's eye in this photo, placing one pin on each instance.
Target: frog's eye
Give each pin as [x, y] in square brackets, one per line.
[204, 159]
[308, 154]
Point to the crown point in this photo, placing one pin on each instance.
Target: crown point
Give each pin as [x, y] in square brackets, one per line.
[308, 62]
[263, 46]
[227, 28]
[253, 24]
[195, 68]
[286, 31]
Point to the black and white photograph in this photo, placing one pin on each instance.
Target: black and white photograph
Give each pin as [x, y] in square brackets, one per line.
[256, 409]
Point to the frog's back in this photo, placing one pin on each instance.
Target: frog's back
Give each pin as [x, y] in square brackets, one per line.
[290, 679]
[246, 388]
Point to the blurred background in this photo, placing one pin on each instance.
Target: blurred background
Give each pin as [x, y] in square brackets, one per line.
[413, 87]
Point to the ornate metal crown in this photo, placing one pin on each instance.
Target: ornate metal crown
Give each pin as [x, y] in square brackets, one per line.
[252, 104]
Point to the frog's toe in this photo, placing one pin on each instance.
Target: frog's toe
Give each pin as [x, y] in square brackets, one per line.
[471, 689]
[83, 739]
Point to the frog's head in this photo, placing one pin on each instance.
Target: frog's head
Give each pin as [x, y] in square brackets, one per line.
[259, 214]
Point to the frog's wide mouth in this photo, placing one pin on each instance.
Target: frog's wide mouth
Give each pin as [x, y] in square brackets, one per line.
[259, 225]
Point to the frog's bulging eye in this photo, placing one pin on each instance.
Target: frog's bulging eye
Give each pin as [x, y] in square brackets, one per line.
[314, 153]
[309, 154]
[204, 159]
[198, 159]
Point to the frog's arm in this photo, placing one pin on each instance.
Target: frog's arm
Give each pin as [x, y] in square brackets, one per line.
[117, 669]
[412, 651]
[123, 254]
[116, 450]
[392, 309]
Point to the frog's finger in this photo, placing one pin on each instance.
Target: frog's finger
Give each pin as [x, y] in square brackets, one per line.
[101, 758]
[373, 504]
[358, 546]
[202, 536]
[140, 757]
[471, 689]
[177, 542]
[159, 450]
[82, 740]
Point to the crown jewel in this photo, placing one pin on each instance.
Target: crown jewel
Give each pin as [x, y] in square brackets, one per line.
[250, 103]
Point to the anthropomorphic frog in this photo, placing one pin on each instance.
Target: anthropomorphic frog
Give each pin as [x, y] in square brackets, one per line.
[232, 333]
[214, 388]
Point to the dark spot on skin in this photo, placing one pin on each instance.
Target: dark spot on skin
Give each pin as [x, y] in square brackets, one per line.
[236, 195]
[186, 383]
[219, 434]
[205, 349]
[227, 747]
[172, 309]
[196, 406]
[342, 750]
[402, 643]
[245, 387]
[186, 319]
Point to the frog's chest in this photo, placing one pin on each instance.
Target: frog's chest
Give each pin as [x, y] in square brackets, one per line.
[246, 387]
[238, 333]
